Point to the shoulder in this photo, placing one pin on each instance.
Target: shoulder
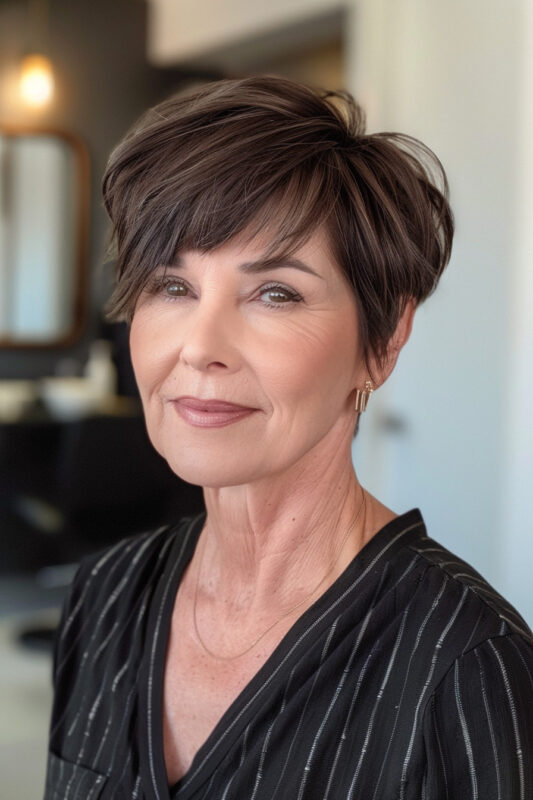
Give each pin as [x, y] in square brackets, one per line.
[106, 617]
[104, 575]
[479, 708]
[110, 582]
[130, 559]
[476, 715]
[454, 616]
[472, 597]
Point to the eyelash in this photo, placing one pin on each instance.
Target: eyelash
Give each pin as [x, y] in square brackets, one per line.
[158, 285]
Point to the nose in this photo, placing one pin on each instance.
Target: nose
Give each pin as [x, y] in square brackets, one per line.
[209, 339]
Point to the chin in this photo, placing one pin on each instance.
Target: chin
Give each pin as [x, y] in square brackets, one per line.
[196, 469]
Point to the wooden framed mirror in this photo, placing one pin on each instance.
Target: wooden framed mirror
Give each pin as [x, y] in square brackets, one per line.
[44, 227]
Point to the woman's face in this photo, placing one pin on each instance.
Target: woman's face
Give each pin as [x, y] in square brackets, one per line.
[282, 341]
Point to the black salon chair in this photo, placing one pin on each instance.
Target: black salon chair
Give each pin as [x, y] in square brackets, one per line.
[99, 480]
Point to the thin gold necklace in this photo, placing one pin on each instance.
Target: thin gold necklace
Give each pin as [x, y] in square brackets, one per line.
[287, 613]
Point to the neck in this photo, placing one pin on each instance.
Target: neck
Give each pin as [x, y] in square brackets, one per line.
[268, 544]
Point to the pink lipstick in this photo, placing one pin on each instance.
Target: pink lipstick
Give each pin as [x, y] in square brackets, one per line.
[210, 413]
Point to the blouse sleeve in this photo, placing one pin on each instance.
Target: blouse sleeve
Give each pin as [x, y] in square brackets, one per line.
[68, 610]
[478, 725]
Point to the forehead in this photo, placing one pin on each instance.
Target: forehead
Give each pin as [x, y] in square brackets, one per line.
[256, 251]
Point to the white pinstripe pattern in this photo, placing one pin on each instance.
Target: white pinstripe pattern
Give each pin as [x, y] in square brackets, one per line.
[466, 734]
[96, 703]
[334, 699]
[104, 643]
[264, 749]
[122, 671]
[88, 587]
[136, 788]
[155, 644]
[338, 601]
[72, 616]
[418, 639]
[69, 785]
[112, 600]
[491, 726]
[521, 657]
[478, 586]
[131, 694]
[97, 784]
[510, 698]
[421, 699]
[133, 691]
[207, 793]
[343, 735]
[378, 701]
[125, 767]
[298, 726]
[309, 705]
[120, 674]
[243, 755]
[443, 763]
[323, 655]
[61, 771]
[74, 723]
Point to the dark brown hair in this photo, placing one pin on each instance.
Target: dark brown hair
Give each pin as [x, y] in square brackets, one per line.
[264, 152]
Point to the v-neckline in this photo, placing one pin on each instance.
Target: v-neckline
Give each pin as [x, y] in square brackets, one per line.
[392, 536]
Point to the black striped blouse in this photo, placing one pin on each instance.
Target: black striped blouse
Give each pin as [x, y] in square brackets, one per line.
[410, 677]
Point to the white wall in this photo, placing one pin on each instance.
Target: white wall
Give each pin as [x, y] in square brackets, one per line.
[454, 75]
[517, 546]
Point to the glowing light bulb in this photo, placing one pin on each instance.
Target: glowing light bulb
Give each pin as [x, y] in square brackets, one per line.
[36, 80]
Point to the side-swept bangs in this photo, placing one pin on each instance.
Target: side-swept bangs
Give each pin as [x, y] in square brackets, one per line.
[267, 154]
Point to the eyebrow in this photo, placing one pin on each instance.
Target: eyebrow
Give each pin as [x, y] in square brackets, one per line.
[262, 265]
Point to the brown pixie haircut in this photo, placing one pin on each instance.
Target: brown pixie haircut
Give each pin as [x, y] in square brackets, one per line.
[265, 153]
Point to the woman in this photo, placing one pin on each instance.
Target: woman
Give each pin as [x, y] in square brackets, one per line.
[298, 639]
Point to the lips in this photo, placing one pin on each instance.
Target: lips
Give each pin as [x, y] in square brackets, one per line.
[210, 405]
[210, 413]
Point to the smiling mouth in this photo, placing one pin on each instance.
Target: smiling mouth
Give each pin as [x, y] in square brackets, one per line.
[210, 405]
[211, 414]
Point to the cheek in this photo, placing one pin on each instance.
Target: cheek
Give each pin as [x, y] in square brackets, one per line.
[147, 357]
[138, 348]
[314, 363]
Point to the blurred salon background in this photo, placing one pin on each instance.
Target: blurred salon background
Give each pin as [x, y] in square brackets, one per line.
[450, 432]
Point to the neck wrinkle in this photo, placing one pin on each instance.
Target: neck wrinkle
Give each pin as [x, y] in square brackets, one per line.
[274, 558]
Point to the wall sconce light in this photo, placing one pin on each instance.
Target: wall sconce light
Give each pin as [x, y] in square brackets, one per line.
[36, 80]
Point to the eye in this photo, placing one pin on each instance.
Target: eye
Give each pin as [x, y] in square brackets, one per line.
[280, 296]
[168, 287]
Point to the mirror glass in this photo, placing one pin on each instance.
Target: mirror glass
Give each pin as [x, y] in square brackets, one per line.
[43, 226]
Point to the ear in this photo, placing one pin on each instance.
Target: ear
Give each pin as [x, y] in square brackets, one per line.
[397, 341]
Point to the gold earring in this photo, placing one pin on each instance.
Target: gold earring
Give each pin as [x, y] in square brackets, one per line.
[362, 396]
